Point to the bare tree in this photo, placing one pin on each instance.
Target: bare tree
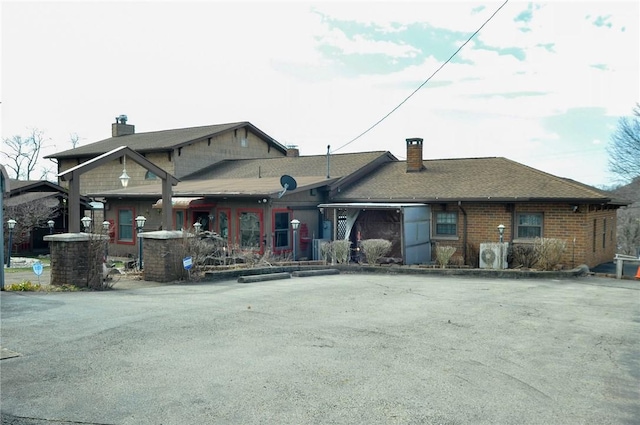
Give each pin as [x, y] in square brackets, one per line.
[74, 139]
[29, 216]
[624, 149]
[23, 153]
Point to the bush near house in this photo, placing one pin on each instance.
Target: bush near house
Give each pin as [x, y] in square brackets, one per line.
[444, 254]
[336, 251]
[523, 256]
[375, 249]
[548, 252]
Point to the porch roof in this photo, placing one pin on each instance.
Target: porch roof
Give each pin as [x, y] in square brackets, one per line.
[178, 202]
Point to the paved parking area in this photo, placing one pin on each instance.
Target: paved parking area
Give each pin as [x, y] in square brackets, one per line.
[341, 349]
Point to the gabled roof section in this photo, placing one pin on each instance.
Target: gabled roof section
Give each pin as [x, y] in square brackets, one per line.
[21, 186]
[161, 141]
[470, 179]
[338, 167]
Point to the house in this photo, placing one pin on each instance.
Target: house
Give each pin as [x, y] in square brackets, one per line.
[242, 184]
[469, 198]
[245, 201]
[230, 182]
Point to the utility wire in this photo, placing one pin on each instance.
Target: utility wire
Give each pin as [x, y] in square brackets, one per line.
[425, 81]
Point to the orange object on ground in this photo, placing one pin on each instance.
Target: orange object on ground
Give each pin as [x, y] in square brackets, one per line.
[638, 273]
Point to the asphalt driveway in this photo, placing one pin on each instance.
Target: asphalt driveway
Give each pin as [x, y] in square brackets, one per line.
[340, 349]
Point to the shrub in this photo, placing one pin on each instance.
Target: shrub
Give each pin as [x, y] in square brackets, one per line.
[326, 251]
[23, 286]
[444, 254]
[374, 249]
[336, 251]
[473, 255]
[341, 251]
[523, 256]
[548, 252]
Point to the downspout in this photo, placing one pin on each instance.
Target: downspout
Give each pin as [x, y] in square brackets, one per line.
[464, 232]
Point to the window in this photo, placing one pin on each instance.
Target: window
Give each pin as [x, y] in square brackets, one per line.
[179, 220]
[125, 225]
[529, 225]
[604, 233]
[250, 229]
[446, 224]
[223, 224]
[595, 234]
[281, 230]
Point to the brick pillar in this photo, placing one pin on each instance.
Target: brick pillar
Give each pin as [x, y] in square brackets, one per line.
[163, 252]
[414, 155]
[76, 259]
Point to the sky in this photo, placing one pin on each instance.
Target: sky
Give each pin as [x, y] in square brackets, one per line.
[541, 83]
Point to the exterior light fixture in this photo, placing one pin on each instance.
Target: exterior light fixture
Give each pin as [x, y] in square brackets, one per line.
[11, 224]
[51, 223]
[295, 224]
[501, 232]
[86, 223]
[105, 227]
[197, 226]
[140, 220]
[124, 178]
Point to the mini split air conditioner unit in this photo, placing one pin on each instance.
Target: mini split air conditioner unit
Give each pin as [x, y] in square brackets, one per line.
[493, 255]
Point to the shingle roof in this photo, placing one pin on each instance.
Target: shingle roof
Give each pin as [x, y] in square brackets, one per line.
[475, 179]
[340, 165]
[267, 186]
[248, 177]
[155, 141]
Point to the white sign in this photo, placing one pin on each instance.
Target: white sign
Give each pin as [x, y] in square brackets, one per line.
[37, 268]
[187, 262]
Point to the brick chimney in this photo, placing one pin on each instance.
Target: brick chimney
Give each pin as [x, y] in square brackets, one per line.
[121, 128]
[414, 155]
[292, 150]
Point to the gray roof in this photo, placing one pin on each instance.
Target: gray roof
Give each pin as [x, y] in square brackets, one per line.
[239, 187]
[340, 165]
[475, 179]
[251, 177]
[164, 140]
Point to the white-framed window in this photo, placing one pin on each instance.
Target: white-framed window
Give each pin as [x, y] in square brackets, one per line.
[529, 225]
[446, 223]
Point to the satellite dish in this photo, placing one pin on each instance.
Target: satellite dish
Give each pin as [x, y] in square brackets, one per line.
[288, 183]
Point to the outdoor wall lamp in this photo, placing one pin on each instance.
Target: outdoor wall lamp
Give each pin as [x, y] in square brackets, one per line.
[197, 226]
[140, 220]
[11, 224]
[51, 223]
[295, 224]
[501, 232]
[574, 208]
[124, 178]
[86, 223]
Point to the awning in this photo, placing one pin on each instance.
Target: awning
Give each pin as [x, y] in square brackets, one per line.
[177, 202]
